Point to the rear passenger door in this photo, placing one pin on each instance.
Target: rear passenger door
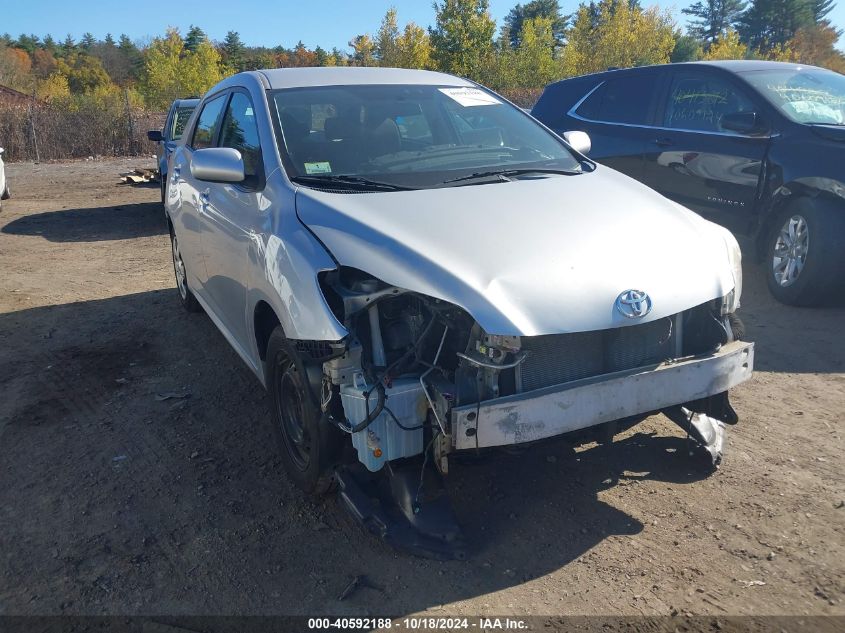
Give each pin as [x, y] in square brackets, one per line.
[695, 162]
[616, 114]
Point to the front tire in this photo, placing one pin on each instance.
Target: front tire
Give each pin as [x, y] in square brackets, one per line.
[804, 263]
[186, 297]
[309, 448]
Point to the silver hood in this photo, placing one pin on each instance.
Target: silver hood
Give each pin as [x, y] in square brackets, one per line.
[535, 256]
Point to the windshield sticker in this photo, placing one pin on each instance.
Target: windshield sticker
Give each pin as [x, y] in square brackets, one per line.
[318, 168]
[470, 96]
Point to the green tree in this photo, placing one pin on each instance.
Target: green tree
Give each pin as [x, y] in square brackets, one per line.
[713, 17]
[614, 34]
[87, 42]
[68, 46]
[363, 51]
[28, 43]
[727, 46]
[194, 38]
[386, 48]
[549, 9]
[172, 71]
[85, 73]
[413, 48]
[534, 58]
[462, 38]
[232, 51]
[769, 24]
[687, 49]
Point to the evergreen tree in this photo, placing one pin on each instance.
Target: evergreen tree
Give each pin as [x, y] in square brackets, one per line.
[194, 38]
[233, 50]
[821, 8]
[68, 46]
[462, 38]
[770, 24]
[386, 37]
[548, 9]
[87, 42]
[714, 17]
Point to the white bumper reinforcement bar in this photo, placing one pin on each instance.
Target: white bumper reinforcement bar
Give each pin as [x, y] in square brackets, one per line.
[550, 411]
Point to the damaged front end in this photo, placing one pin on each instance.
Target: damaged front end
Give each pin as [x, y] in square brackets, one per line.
[418, 378]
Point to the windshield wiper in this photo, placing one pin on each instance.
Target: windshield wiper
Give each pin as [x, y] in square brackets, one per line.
[506, 174]
[357, 182]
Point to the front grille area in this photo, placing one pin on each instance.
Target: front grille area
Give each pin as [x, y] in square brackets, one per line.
[558, 358]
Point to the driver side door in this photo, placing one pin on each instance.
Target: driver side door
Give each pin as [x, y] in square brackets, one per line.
[692, 160]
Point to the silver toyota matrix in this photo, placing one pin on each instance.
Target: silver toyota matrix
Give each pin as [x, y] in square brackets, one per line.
[412, 267]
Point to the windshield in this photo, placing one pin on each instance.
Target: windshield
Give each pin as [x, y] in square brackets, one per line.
[806, 95]
[409, 136]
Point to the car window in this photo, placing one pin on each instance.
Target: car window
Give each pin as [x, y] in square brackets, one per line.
[621, 100]
[180, 120]
[699, 103]
[240, 131]
[206, 128]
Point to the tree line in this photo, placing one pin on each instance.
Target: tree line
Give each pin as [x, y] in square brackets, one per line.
[537, 43]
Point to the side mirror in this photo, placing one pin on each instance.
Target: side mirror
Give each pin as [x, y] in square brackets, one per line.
[742, 122]
[579, 141]
[218, 164]
[155, 136]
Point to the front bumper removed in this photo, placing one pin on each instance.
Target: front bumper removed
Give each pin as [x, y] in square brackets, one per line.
[544, 413]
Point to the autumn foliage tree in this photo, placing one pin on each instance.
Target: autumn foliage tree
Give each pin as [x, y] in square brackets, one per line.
[614, 34]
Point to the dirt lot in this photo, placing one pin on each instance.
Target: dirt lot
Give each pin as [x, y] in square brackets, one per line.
[112, 501]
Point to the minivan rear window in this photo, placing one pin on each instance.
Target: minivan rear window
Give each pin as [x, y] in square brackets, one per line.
[621, 100]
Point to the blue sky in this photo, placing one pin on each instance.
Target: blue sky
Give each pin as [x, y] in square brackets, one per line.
[328, 23]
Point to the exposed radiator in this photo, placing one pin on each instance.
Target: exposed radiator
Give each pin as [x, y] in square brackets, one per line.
[558, 358]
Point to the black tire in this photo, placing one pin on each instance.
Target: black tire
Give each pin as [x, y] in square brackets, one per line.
[163, 187]
[186, 297]
[310, 449]
[6, 194]
[815, 250]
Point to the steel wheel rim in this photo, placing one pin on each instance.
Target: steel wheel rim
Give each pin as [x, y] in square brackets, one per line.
[790, 252]
[179, 269]
[290, 408]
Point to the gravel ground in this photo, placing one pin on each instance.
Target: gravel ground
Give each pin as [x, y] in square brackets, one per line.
[113, 501]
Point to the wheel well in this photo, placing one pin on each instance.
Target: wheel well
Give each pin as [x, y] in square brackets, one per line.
[265, 321]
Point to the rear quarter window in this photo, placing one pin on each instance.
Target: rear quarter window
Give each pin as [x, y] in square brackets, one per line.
[621, 100]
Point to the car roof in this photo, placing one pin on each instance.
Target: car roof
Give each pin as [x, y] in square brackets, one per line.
[744, 65]
[278, 78]
[736, 66]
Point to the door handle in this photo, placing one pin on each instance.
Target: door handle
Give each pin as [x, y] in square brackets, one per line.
[174, 178]
[204, 199]
[663, 142]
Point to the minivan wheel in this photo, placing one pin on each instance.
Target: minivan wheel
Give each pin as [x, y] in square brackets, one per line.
[186, 297]
[803, 263]
[309, 447]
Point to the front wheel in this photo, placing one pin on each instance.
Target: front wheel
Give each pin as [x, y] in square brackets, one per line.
[186, 297]
[309, 447]
[804, 261]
